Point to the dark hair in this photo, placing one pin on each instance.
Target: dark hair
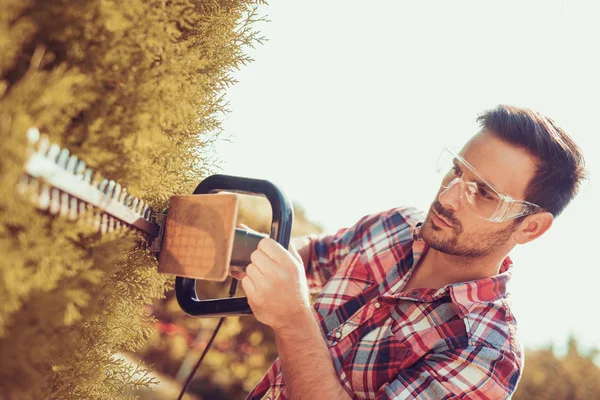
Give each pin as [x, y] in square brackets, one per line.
[560, 166]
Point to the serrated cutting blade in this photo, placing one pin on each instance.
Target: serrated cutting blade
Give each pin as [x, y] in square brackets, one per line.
[61, 184]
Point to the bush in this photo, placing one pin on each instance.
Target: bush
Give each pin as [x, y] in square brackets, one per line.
[135, 89]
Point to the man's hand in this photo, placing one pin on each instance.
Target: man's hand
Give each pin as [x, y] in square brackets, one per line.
[275, 284]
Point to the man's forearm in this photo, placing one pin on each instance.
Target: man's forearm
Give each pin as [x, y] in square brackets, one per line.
[308, 370]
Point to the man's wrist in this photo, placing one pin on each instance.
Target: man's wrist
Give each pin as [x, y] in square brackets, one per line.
[297, 323]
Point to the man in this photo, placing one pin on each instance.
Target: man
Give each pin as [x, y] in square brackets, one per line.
[414, 306]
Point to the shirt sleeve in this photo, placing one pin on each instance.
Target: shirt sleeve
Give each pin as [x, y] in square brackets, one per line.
[328, 251]
[476, 372]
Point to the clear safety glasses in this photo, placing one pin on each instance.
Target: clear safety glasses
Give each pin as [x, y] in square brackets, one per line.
[477, 193]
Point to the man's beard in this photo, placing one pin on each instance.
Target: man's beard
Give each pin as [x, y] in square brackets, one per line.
[455, 242]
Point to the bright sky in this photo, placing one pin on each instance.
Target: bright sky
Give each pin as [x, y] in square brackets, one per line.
[348, 105]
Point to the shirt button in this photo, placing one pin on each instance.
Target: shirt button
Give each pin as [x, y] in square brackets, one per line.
[268, 398]
[414, 293]
[338, 334]
[377, 305]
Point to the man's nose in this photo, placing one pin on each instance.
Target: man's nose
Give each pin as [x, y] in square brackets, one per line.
[451, 196]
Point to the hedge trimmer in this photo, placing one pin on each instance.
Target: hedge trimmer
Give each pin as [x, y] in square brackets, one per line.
[195, 238]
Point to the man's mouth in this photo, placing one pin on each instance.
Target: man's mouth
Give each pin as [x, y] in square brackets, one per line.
[439, 220]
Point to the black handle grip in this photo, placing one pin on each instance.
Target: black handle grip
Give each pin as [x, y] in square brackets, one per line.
[281, 229]
[244, 243]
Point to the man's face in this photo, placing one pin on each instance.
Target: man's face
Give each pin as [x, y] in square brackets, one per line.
[509, 169]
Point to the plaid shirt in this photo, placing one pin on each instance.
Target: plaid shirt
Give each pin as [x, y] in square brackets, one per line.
[387, 343]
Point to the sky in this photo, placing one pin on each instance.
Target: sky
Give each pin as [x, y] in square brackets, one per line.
[348, 104]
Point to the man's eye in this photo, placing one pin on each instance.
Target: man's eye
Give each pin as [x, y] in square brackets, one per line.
[484, 193]
[456, 170]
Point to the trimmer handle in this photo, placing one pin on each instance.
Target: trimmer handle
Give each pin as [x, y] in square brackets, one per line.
[281, 229]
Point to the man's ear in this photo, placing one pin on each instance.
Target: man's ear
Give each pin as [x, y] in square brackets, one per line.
[533, 226]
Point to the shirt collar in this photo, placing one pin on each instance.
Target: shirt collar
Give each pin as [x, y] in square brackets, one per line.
[465, 295]
[415, 231]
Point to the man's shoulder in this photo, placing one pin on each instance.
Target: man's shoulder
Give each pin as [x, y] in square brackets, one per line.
[492, 324]
[391, 227]
[404, 215]
[400, 217]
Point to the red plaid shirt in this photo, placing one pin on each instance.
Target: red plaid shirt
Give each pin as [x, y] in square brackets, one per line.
[387, 343]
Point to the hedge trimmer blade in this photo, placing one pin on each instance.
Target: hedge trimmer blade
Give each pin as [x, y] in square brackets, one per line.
[61, 184]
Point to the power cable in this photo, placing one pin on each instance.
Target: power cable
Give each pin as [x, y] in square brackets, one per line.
[195, 369]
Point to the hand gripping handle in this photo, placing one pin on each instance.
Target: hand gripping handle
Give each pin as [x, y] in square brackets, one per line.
[281, 229]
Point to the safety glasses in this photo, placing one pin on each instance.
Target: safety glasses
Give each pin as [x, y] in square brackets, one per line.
[477, 193]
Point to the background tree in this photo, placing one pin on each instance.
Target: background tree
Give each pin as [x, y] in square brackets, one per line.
[573, 376]
[135, 89]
